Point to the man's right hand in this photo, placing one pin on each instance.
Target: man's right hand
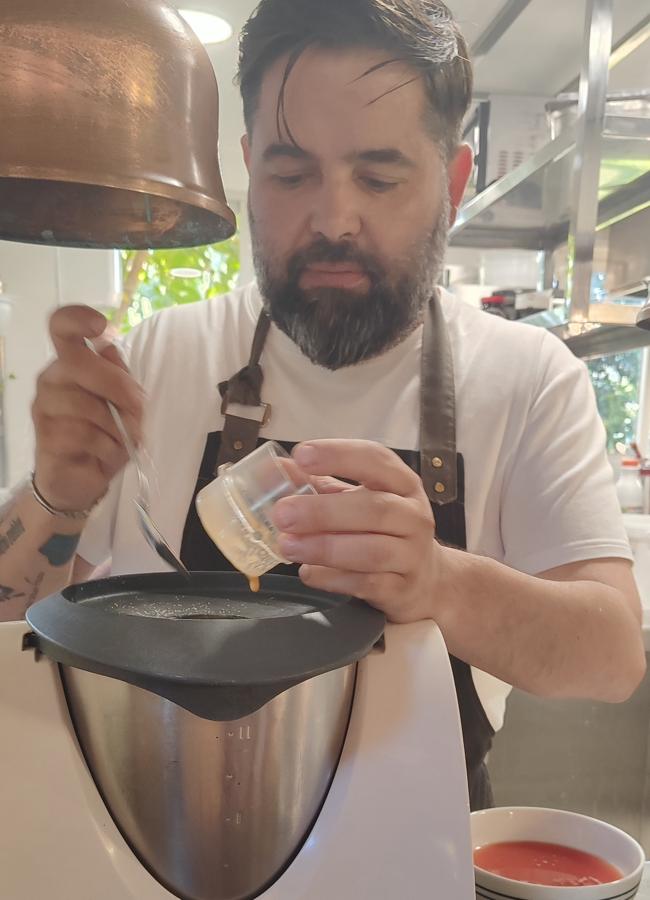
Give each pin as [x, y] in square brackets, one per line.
[78, 447]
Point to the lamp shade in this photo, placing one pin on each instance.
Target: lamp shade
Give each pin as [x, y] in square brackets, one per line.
[110, 127]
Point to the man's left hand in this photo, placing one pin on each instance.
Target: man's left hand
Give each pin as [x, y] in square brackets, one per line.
[375, 541]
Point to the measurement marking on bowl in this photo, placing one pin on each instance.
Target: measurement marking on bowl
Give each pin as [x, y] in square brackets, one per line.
[245, 733]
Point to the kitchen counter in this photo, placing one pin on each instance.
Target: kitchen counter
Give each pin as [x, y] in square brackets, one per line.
[644, 891]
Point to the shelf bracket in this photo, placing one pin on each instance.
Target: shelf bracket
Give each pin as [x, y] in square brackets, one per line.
[594, 82]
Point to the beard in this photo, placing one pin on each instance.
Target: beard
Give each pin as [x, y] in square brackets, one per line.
[336, 328]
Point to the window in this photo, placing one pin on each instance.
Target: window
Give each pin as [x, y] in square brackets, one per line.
[156, 279]
[617, 382]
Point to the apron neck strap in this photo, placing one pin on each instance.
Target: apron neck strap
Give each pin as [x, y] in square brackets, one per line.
[438, 454]
[246, 414]
[261, 334]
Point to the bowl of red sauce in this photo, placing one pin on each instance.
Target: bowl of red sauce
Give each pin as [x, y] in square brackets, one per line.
[529, 853]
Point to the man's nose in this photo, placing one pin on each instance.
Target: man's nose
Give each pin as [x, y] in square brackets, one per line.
[336, 215]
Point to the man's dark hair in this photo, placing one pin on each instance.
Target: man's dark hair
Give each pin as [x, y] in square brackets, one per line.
[422, 33]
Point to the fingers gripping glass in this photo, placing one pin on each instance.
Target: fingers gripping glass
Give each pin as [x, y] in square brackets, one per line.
[235, 510]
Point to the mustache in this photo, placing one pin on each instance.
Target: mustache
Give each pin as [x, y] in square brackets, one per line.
[324, 251]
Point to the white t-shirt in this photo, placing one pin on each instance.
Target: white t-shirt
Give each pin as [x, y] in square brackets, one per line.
[539, 488]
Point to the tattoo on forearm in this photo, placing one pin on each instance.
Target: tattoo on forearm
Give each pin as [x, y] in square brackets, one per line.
[35, 586]
[60, 548]
[9, 593]
[15, 531]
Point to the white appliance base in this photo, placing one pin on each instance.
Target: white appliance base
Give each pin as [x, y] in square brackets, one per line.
[395, 824]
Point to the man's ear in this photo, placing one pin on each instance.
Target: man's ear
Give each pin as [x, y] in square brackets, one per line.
[246, 150]
[460, 170]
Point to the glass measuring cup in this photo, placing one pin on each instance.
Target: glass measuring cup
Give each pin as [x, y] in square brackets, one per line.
[235, 508]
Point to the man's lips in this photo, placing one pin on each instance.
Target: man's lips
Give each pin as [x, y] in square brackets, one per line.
[334, 275]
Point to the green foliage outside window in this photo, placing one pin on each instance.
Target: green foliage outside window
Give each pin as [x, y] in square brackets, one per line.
[617, 380]
[176, 277]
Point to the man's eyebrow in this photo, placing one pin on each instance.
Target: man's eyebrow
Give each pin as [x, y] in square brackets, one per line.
[381, 155]
[385, 155]
[285, 151]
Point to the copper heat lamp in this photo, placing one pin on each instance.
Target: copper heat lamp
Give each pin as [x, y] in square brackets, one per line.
[109, 112]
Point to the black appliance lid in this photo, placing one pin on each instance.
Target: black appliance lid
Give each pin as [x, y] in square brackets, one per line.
[164, 634]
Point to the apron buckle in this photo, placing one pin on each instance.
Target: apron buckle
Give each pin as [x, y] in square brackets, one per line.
[261, 413]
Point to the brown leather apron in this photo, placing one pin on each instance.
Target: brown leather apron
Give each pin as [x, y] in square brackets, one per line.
[438, 463]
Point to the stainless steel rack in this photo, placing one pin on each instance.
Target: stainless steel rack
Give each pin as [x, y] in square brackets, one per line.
[588, 180]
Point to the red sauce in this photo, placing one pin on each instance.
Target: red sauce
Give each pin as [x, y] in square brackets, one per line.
[548, 864]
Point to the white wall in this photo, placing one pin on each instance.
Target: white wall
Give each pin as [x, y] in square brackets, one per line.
[37, 280]
[29, 277]
[474, 274]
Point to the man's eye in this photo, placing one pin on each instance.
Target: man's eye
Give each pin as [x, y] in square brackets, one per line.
[289, 181]
[379, 186]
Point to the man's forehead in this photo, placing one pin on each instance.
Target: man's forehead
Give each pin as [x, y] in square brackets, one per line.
[358, 77]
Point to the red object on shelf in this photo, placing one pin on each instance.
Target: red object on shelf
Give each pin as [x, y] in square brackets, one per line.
[494, 300]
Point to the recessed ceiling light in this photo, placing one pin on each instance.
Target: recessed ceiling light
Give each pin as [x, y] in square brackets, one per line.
[208, 28]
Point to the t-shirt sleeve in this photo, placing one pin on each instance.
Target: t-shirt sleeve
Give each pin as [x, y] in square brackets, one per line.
[559, 502]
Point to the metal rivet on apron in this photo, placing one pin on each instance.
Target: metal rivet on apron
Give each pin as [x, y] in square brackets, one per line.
[238, 445]
[437, 463]
[440, 488]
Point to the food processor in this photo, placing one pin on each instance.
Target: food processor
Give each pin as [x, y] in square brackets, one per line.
[197, 741]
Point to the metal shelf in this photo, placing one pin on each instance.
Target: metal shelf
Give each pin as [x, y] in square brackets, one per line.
[531, 207]
[595, 175]
[610, 329]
